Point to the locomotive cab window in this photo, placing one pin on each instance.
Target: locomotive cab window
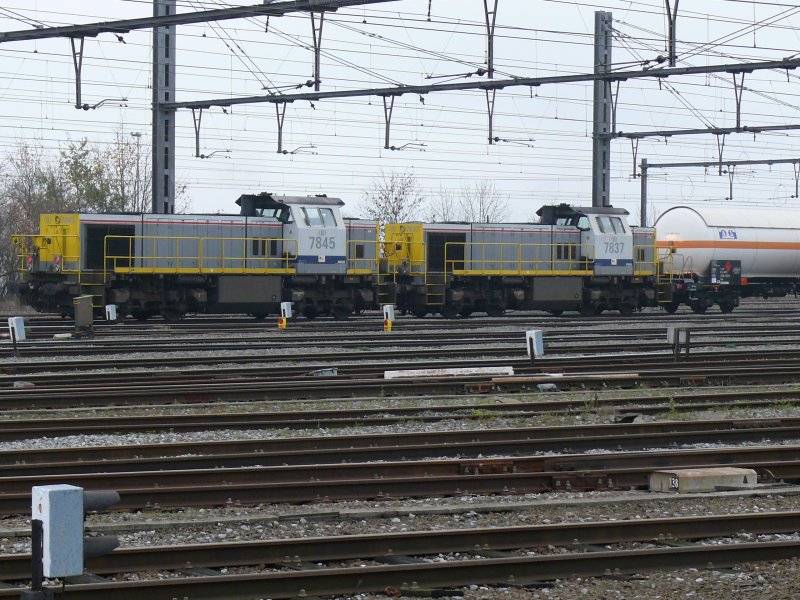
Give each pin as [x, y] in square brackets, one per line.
[610, 225]
[311, 217]
[280, 214]
[328, 219]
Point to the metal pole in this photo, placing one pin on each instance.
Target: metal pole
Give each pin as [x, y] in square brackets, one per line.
[163, 119]
[136, 190]
[37, 592]
[14, 341]
[601, 151]
[643, 201]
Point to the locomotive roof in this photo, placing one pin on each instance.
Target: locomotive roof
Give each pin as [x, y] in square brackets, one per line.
[567, 211]
[267, 200]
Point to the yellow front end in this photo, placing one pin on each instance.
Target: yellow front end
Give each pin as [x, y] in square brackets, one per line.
[55, 249]
[404, 247]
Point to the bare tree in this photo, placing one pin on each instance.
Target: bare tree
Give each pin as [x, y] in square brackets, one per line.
[394, 198]
[443, 207]
[482, 203]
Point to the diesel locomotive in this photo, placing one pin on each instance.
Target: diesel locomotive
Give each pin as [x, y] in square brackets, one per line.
[301, 249]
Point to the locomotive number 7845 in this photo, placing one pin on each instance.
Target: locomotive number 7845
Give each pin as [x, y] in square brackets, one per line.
[323, 242]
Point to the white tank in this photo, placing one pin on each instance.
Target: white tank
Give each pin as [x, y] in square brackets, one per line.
[766, 241]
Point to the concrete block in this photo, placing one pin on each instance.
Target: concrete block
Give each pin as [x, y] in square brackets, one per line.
[685, 481]
[454, 372]
[60, 508]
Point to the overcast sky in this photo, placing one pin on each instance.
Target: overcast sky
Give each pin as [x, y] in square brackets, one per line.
[338, 145]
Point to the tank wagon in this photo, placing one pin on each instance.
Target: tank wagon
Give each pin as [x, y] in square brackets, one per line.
[583, 259]
[279, 248]
[718, 255]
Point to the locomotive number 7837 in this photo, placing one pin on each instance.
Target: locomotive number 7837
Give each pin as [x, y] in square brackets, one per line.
[614, 247]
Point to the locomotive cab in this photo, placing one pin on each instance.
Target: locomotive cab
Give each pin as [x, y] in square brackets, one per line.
[312, 225]
[606, 237]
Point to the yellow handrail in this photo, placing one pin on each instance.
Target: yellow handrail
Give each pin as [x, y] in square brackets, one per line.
[201, 255]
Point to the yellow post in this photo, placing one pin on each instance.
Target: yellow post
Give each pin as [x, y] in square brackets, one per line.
[388, 317]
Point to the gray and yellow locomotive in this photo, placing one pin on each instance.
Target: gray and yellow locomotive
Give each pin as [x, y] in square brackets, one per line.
[301, 250]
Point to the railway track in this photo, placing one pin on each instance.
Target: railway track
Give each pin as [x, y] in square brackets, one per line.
[648, 338]
[402, 479]
[519, 405]
[415, 577]
[377, 447]
[629, 371]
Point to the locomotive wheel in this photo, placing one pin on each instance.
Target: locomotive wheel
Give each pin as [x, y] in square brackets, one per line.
[465, 311]
[340, 312]
[141, 315]
[171, 314]
[588, 309]
[310, 312]
[671, 307]
[450, 311]
[699, 307]
[495, 310]
[626, 310]
[259, 316]
[419, 311]
[727, 307]
[556, 313]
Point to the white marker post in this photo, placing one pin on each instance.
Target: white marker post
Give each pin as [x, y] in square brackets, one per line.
[111, 313]
[16, 329]
[535, 343]
[286, 314]
[388, 317]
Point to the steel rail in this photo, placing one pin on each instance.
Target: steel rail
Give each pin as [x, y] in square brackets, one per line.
[305, 483]
[547, 403]
[347, 581]
[695, 371]
[104, 333]
[301, 363]
[296, 551]
[159, 340]
[351, 449]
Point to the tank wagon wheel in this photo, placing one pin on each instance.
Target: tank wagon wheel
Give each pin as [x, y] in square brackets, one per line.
[141, 315]
[495, 310]
[671, 307]
[727, 307]
[465, 311]
[598, 310]
[310, 312]
[259, 316]
[556, 313]
[587, 309]
[699, 307]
